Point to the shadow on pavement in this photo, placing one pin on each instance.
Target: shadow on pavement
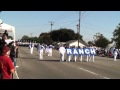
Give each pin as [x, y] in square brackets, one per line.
[28, 58]
[51, 60]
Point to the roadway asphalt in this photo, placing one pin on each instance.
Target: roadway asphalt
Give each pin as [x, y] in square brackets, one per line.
[30, 67]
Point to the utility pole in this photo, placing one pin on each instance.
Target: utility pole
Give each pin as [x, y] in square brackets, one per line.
[78, 33]
[51, 24]
[79, 27]
[31, 34]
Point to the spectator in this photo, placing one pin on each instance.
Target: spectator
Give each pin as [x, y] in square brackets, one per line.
[12, 52]
[16, 49]
[6, 65]
[2, 44]
[5, 35]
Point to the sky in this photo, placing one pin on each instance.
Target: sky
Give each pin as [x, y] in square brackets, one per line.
[33, 23]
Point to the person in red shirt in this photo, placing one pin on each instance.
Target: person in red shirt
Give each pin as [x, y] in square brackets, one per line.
[6, 65]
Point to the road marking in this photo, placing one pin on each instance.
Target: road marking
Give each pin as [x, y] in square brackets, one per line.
[93, 73]
[89, 71]
[16, 71]
[106, 77]
[16, 74]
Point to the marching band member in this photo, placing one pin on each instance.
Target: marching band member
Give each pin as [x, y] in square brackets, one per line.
[41, 47]
[68, 55]
[62, 52]
[87, 55]
[75, 54]
[50, 50]
[46, 48]
[91, 56]
[31, 46]
[80, 56]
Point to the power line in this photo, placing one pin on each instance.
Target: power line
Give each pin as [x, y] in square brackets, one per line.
[31, 26]
[59, 17]
[92, 27]
[64, 16]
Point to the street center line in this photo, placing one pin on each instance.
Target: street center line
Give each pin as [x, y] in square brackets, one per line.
[93, 73]
[89, 71]
[106, 77]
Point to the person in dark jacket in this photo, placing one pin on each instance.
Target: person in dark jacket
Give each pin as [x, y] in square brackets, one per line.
[16, 50]
[13, 53]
